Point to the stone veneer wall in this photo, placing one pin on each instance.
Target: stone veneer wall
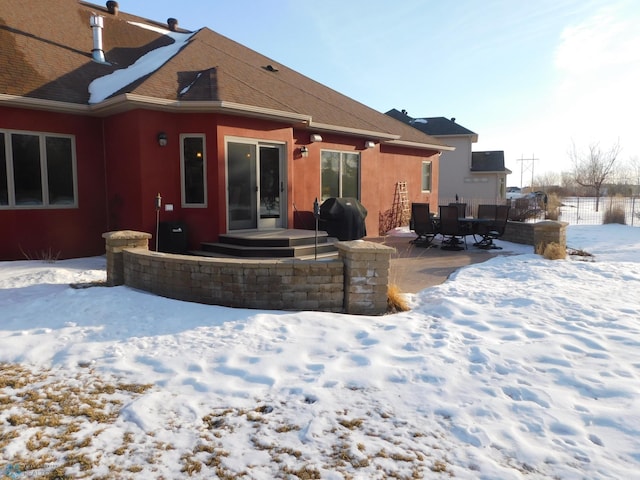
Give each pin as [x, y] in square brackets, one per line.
[115, 244]
[543, 232]
[366, 276]
[355, 283]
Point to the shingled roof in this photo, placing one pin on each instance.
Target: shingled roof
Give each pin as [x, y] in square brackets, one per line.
[435, 126]
[46, 63]
[489, 161]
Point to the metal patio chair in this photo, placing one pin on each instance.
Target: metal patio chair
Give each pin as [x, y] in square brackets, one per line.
[423, 225]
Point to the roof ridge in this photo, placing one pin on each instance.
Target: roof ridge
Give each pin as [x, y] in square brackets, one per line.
[289, 85]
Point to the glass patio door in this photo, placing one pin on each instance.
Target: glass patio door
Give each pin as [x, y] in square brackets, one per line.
[255, 186]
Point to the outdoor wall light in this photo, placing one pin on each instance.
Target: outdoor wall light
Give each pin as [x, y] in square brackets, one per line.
[315, 137]
[162, 139]
[304, 151]
[369, 144]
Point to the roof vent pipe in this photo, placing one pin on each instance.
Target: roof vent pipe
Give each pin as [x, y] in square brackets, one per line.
[172, 24]
[113, 7]
[97, 24]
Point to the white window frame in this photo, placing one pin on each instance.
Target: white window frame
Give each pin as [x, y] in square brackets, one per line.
[44, 184]
[341, 153]
[183, 193]
[424, 177]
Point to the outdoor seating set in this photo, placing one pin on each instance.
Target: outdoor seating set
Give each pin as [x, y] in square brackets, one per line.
[453, 225]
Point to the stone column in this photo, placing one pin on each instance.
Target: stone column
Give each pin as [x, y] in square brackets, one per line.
[549, 231]
[115, 243]
[366, 276]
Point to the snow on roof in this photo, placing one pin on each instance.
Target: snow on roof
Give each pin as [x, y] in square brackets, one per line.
[103, 87]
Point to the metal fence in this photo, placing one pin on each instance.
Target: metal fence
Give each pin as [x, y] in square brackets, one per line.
[582, 210]
[573, 210]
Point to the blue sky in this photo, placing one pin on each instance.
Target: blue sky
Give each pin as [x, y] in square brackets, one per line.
[529, 77]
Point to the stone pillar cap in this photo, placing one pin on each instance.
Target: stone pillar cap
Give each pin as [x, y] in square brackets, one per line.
[125, 234]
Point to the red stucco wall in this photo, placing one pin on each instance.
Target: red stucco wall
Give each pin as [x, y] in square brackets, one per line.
[118, 179]
[381, 168]
[65, 232]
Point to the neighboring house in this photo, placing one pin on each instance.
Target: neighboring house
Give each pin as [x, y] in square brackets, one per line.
[463, 173]
[101, 111]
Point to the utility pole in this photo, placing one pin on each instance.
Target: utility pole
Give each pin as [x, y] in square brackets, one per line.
[530, 164]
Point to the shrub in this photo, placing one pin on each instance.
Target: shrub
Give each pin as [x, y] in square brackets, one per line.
[46, 256]
[551, 250]
[553, 206]
[395, 300]
[614, 215]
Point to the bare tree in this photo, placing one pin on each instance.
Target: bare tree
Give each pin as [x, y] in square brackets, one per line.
[593, 167]
[634, 172]
[546, 180]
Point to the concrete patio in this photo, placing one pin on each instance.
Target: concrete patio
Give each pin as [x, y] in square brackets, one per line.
[415, 268]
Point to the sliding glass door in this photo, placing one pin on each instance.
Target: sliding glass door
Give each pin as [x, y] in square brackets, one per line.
[255, 185]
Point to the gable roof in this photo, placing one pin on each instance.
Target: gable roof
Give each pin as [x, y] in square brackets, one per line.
[46, 63]
[434, 126]
[490, 161]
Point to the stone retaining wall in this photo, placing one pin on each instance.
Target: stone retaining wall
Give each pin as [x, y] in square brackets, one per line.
[543, 232]
[354, 283]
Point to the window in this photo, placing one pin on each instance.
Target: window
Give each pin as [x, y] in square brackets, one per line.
[193, 170]
[4, 189]
[37, 170]
[426, 176]
[59, 171]
[340, 174]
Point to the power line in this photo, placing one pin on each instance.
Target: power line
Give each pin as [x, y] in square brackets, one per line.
[530, 164]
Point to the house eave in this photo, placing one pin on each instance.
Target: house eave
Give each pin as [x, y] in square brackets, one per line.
[473, 137]
[370, 134]
[40, 104]
[128, 101]
[478, 172]
[425, 146]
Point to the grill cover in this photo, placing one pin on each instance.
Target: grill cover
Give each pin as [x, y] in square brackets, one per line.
[343, 218]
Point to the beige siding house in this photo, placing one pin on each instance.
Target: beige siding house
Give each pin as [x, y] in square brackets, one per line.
[464, 174]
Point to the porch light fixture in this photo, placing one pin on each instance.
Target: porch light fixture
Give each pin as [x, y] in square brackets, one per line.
[369, 144]
[304, 151]
[315, 137]
[162, 139]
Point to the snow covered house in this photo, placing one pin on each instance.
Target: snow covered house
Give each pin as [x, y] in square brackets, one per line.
[101, 111]
[463, 173]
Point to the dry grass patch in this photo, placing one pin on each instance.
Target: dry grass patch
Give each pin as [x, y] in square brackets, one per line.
[396, 301]
[551, 250]
[614, 214]
[49, 413]
[351, 424]
[360, 447]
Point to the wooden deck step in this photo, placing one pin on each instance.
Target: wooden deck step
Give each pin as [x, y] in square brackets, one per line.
[283, 243]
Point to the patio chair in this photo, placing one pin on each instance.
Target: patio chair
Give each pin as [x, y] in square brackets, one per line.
[462, 213]
[422, 224]
[462, 209]
[452, 230]
[488, 213]
[496, 230]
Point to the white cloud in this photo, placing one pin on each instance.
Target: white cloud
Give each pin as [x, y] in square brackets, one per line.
[596, 96]
[604, 40]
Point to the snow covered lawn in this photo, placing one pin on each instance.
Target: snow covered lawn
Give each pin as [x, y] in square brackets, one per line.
[518, 367]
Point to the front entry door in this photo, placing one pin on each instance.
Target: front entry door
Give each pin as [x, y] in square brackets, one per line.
[255, 188]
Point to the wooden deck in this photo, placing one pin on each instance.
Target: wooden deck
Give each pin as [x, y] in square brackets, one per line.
[276, 243]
